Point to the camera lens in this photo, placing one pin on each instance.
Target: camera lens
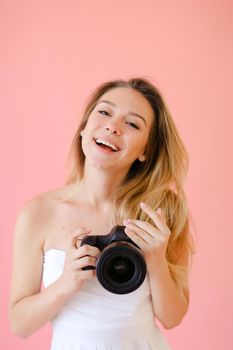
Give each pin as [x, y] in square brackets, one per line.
[120, 269]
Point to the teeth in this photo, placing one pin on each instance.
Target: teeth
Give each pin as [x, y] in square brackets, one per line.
[107, 144]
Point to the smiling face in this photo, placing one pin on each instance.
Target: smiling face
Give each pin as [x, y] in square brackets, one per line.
[123, 117]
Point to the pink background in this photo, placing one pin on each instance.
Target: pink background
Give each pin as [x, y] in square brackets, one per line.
[53, 54]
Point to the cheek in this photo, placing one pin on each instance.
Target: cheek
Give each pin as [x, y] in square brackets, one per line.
[90, 126]
[137, 144]
[93, 123]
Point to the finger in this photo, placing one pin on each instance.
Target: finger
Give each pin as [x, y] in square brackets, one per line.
[146, 226]
[156, 217]
[87, 274]
[77, 236]
[145, 236]
[83, 262]
[85, 250]
[79, 240]
[136, 239]
[161, 214]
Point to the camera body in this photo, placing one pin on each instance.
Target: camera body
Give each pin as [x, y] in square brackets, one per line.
[120, 268]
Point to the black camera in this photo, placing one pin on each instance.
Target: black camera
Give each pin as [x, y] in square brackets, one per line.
[120, 268]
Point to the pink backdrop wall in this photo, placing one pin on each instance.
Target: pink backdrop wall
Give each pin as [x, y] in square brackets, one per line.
[53, 54]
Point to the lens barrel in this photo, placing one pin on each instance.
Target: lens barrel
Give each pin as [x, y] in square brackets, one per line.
[121, 269]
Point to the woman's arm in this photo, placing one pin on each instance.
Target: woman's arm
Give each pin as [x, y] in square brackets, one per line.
[29, 307]
[169, 303]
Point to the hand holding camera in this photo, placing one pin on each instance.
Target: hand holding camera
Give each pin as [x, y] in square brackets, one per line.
[120, 268]
[76, 260]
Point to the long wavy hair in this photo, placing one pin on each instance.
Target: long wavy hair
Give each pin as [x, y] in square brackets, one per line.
[158, 181]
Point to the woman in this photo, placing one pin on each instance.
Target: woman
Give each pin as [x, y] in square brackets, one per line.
[126, 151]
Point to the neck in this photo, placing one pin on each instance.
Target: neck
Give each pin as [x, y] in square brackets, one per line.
[98, 185]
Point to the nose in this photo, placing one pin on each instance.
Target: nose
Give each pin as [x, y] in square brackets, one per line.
[113, 129]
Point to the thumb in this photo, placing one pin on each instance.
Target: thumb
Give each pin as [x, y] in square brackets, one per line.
[79, 238]
[76, 237]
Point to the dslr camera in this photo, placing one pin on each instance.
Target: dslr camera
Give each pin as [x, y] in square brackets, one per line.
[120, 268]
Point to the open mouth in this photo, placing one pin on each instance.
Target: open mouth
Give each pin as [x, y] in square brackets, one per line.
[105, 147]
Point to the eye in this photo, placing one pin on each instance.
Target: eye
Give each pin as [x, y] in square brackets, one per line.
[133, 125]
[129, 123]
[104, 112]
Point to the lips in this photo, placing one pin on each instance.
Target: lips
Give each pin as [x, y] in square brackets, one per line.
[107, 140]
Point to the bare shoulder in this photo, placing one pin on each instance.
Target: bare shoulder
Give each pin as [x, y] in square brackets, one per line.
[43, 203]
[35, 215]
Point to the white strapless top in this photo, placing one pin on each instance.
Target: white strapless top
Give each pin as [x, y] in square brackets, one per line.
[96, 319]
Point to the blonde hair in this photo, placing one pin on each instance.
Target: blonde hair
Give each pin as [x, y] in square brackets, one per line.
[158, 181]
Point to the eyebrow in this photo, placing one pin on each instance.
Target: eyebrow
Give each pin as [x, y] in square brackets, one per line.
[132, 113]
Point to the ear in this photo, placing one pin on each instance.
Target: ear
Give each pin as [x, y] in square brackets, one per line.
[142, 158]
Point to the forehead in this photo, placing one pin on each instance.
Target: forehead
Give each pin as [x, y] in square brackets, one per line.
[129, 100]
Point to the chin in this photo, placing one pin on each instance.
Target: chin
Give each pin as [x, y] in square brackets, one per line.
[99, 164]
